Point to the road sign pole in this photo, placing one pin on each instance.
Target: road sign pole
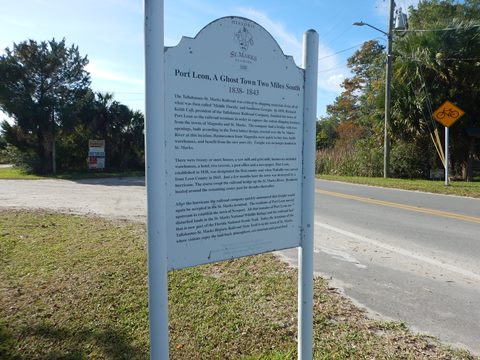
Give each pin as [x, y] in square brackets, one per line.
[446, 155]
[447, 114]
[305, 251]
[155, 180]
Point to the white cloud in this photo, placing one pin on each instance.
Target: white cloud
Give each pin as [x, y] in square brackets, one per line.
[135, 7]
[101, 71]
[334, 81]
[331, 71]
[16, 22]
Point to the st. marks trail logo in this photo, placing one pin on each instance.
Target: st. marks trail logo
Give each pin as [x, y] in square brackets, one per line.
[244, 38]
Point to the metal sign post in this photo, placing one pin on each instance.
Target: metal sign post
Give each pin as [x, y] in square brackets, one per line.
[446, 155]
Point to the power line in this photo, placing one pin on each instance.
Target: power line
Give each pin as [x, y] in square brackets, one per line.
[340, 51]
[444, 29]
[460, 59]
[119, 92]
[333, 68]
[343, 50]
[440, 59]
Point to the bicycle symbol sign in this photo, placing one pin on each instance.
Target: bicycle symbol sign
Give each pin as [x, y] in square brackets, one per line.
[448, 113]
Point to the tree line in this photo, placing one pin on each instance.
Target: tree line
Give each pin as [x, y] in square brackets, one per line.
[46, 90]
[437, 59]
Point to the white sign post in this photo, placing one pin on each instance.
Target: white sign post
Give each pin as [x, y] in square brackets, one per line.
[230, 127]
[155, 180]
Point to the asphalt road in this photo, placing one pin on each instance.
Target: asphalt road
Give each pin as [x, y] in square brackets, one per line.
[403, 255]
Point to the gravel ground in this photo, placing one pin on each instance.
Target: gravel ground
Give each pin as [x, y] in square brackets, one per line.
[120, 198]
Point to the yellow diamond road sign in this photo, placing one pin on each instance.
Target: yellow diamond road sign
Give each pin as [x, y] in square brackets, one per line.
[448, 113]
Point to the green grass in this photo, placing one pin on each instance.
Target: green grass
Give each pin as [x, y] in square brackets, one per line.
[76, 288]
[18, 174]
[460, 188]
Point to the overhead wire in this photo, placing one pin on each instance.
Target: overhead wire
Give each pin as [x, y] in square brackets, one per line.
[120, 92]
[442, 59]
[343, 50]
[333, 68]
[333, 27]
[339, 52]
[444, 29]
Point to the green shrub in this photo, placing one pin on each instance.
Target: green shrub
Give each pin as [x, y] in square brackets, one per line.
[369, 157]
[25, 160]
[407, 161]
[4, 159]
[362, 159]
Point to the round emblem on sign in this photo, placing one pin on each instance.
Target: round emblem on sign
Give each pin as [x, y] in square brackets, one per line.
[244, 38]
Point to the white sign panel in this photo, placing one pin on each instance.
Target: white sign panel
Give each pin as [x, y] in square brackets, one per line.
[233, 126]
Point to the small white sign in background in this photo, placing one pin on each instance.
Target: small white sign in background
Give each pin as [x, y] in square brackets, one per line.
[96, 154]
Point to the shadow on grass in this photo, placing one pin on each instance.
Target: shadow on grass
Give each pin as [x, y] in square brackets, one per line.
[7, 342]
[104, 178]
[19, 174]
[113, 181]
[73, 344]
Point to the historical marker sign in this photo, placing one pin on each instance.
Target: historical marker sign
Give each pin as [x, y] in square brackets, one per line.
[230, 155]
[233, 126]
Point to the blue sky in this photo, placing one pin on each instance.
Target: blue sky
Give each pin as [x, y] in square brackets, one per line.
[110, 33]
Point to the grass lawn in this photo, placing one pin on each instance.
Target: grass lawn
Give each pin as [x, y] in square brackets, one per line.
[460, 188]
[76, 288]
[12, 173]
